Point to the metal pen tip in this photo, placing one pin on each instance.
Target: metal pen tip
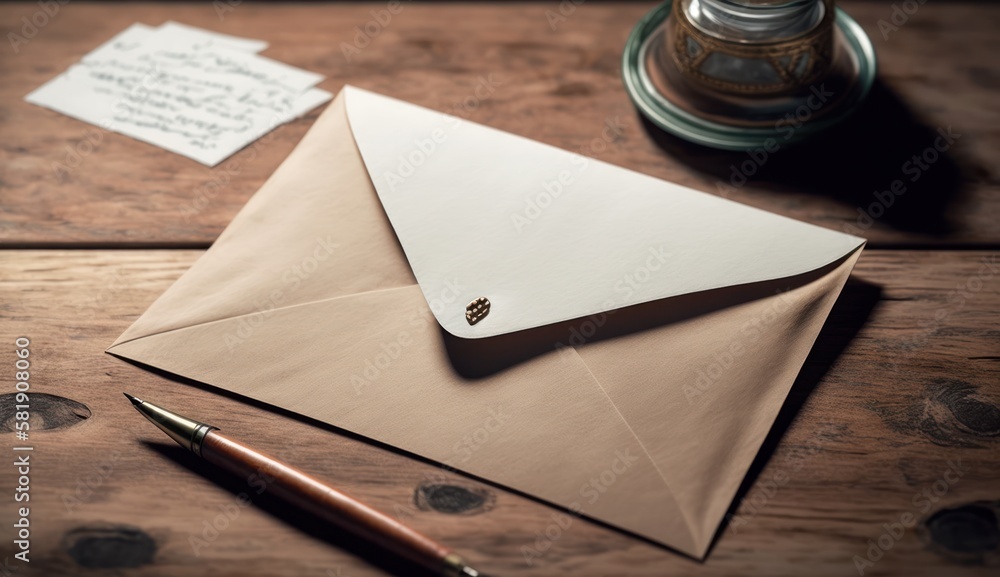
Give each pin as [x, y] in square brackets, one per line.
[135, 401]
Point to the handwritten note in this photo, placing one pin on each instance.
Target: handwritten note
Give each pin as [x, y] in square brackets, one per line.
[197, 93]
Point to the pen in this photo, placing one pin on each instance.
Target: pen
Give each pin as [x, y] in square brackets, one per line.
[306, 492]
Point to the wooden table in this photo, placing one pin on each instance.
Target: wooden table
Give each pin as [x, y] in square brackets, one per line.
[901, 387]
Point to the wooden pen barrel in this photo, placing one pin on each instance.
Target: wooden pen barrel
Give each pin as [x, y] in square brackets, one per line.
[332, 505]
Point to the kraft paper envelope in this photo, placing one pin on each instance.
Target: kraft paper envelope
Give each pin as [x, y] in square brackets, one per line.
[640, 339]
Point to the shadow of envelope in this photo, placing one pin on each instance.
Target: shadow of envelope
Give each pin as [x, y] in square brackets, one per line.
[641, 339]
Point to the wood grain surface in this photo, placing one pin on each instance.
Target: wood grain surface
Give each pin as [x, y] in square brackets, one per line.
[896, 413]
[302, 490]
[544, 70]
[886, 455]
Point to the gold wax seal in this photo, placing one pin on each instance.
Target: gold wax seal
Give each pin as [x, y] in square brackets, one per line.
[477, 310]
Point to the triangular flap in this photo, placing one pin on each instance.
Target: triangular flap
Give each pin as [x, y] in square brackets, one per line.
[306, 235]
[547, 235]
[727, 376]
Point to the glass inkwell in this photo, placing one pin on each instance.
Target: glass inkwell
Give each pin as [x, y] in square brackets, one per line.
[732, 74]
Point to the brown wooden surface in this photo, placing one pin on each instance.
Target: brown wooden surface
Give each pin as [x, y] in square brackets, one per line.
[559, 86]
[329, 503]
[902, 381]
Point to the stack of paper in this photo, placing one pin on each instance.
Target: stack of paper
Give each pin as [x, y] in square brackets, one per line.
[200, 94]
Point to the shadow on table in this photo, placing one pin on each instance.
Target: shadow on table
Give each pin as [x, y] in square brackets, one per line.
[856, 303]
[310, 525]
[848, 163]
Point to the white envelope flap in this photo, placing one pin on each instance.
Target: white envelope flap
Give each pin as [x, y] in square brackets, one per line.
[547, 235]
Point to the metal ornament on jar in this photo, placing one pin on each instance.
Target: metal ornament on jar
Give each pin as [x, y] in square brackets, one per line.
[734, 73]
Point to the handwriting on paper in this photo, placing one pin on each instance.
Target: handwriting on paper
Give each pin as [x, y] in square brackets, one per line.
[195, 93]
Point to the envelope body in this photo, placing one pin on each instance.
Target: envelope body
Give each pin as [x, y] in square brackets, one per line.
[640, 340]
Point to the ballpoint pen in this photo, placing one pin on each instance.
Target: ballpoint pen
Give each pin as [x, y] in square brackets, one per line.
[306, 492]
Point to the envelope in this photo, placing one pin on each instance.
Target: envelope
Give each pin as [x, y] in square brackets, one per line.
[607, 342]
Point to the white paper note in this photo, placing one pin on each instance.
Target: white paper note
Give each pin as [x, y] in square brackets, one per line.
[234, 42]
[196, 93]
